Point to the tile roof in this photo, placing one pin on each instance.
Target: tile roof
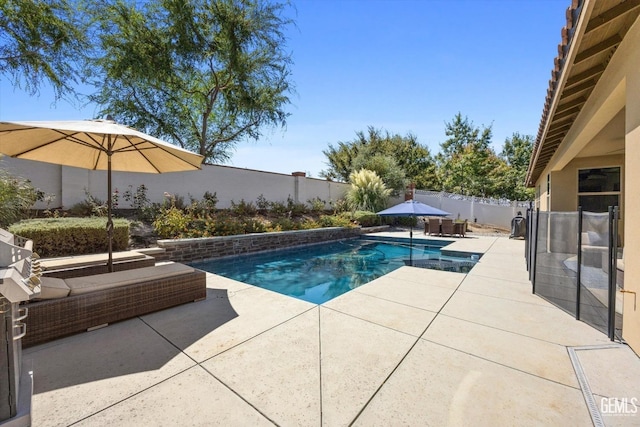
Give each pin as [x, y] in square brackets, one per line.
[594, 30]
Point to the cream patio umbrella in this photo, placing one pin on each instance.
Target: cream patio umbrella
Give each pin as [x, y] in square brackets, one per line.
[95, 145]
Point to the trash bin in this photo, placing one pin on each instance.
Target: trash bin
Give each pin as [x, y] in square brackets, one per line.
[518, 227]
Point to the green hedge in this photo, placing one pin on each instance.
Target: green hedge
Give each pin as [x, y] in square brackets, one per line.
[53, 237]
[366, 218]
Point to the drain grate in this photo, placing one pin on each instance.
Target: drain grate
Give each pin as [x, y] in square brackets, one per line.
[596, 416]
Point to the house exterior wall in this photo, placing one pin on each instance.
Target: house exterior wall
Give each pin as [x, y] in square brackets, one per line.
[631, 319]
[618, 88]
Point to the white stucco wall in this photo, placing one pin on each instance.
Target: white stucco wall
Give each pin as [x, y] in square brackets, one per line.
[68, 185]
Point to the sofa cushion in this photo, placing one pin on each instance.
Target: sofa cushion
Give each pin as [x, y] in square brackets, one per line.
[52, 287]
[99, 282]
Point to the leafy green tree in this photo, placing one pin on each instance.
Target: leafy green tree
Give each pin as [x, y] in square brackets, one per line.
[516, 153]
[340, 160]
[384, 166]
[411, 157]
[368, 192]
[202, 74]
[462, 134]
[467, 164]
[41, 41]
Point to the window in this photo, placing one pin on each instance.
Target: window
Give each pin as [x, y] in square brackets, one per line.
[598, 189]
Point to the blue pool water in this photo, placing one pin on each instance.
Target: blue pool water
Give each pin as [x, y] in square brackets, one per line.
[319, 273]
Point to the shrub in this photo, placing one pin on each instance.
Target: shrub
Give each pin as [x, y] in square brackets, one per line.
[308, 224]
[282, 224]
[316, 204]
[210, 200]
[72, 236]
[294, 208]
[263, 204]
[340, 206]
[366, 218]
[243, 208]
[139, 202]
[278, 208]
[90, 206]
[335, 221]
[171, 223]
[17, 196]
[367, 191]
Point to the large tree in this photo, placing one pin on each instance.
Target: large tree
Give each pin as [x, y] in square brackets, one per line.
[412, 158]
[41, 42]
[467, 164]
[516, 153]
[384, 166]
[202, 74]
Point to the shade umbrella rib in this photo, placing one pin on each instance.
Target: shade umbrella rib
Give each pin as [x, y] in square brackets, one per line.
[133, 147]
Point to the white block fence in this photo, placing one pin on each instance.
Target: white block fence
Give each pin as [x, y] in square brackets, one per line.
[68, 186]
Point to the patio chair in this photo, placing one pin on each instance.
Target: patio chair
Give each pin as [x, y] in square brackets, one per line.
[432, 226]
[446, 226]
[460, 228]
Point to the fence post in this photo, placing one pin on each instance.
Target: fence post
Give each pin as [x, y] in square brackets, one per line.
[299, 186]
[535, 252]
[579, 266]
[613, 249]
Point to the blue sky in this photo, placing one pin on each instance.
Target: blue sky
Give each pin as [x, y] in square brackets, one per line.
[406, 66]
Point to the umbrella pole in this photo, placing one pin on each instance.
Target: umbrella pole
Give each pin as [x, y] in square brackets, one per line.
[109, 220]
[411, 245]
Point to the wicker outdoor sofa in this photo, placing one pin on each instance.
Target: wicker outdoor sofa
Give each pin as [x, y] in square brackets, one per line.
[80, 303]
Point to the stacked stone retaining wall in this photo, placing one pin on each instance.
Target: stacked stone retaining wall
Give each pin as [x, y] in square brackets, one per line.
[188, 250]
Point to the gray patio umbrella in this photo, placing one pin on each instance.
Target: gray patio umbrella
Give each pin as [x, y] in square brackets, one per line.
[412, 208]
[95, 145]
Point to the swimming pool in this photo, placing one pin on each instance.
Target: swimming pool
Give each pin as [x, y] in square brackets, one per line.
[322, 272]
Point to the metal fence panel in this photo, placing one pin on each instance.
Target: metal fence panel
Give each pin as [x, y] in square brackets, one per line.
[571, 257]
[554, 281]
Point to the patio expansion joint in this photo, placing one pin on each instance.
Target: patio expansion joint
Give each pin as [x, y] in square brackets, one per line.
[118, 402]
[199, 365]
[504, 330]
[506, 299]
[357, 291]
[502, 279]
[395, 368]
[228, 387]
[259, 334]
[500, 364]
[378, 324]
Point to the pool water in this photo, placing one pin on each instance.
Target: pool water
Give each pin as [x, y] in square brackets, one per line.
[322, 272]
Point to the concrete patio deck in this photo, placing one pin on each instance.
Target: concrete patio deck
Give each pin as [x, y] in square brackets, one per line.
[414, 347]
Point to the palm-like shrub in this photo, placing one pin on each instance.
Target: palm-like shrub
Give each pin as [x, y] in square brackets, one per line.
[367, 191]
